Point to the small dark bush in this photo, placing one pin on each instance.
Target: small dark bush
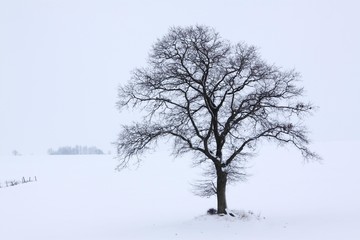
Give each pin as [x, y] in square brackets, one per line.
[212, 211]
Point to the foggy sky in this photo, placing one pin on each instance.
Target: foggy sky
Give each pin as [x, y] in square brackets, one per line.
[61, 62]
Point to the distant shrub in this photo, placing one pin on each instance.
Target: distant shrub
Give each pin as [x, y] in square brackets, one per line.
[15, 153]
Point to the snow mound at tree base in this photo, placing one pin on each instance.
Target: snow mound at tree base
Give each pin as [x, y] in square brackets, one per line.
[233, 216]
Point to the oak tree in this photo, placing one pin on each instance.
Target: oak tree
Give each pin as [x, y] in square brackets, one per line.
[214, 99]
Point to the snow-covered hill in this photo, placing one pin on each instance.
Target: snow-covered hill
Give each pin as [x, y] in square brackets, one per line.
[84, 198]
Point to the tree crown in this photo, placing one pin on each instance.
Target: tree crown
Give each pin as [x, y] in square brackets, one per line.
[213, 98]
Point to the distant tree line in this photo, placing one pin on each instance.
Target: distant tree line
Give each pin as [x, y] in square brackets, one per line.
[77, 150]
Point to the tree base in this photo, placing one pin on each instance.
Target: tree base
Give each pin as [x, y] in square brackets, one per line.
[235, 214]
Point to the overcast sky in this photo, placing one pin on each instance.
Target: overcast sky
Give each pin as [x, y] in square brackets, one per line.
[62, 61]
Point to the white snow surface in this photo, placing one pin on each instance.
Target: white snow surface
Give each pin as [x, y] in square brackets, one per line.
[84, 198]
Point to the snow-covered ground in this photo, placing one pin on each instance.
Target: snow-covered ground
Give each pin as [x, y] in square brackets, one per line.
[84, 198]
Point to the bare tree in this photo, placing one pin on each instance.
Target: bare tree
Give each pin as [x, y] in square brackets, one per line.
[214, 99]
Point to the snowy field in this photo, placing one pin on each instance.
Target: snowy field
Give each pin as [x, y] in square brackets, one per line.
[84, 198]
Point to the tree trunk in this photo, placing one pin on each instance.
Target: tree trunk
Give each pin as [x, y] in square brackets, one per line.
[221, 192]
